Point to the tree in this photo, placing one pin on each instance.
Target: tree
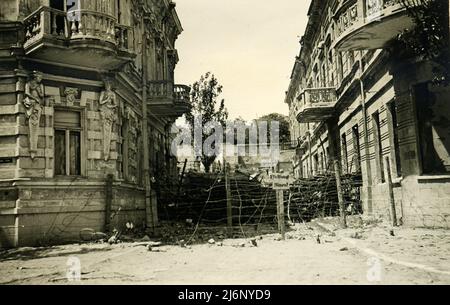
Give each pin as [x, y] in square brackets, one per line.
[284, 131]
[207, 105]
[429, 39]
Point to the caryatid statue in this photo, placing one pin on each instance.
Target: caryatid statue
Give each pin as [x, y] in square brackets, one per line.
[33, 102]
[108, 112]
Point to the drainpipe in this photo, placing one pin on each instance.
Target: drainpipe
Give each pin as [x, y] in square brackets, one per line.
[311, 174]
[366, 136]
[148, 191]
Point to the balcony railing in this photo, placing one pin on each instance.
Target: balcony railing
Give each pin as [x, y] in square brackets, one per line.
[314, 96]
[87, 24]
[315, 104]
[167, 99]
[369, 24]
[161, 89]
[165, 89]
[182, 93]
[124, 37]
[76, 25]
[45, 21]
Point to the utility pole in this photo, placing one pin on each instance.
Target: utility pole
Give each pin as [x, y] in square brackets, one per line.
[229, 200]
[343, 216]
[391, 192]
[280, 213]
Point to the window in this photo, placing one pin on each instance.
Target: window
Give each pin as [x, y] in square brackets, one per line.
[378, 145]
[124, 133]
[351, 59]
[327, 156]
[340, 67]
[119, 12]
[324, 76]
[344, 153]
[356, 160]
[393, 130]
[67, 143]
[316, 164]
[322, 163]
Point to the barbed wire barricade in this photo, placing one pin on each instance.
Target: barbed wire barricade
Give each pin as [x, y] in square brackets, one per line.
[199, 205]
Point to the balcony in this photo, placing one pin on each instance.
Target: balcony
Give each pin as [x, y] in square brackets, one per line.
[80, 37]
[315, 104]
[369, 24]
[167, 99]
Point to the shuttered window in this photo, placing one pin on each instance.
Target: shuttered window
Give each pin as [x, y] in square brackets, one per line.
[68, 130]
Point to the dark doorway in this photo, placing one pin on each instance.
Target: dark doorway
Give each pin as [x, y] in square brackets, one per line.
[60, 20]
[432, 123]
[57, 4]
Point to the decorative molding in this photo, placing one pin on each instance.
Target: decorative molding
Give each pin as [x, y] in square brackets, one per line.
[33, 102]
[108, 114]
[71, 95]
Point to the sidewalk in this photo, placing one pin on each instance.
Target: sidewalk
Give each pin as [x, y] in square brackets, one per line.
[419, 248]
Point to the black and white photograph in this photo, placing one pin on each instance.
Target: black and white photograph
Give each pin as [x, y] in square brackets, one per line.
[240, 144]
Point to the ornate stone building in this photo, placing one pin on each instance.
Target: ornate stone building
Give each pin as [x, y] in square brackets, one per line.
[352, 99]
[87, 99]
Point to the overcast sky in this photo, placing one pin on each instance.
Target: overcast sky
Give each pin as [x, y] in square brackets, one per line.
[250, 45]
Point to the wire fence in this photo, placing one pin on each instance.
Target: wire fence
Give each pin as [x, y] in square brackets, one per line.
[201, 200]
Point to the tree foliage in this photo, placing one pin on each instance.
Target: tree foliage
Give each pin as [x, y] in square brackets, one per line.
[206, 103]
[284, 131]
[429, 38]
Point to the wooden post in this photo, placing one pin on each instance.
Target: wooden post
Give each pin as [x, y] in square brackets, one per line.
[108, 202]
[280, 213]
[229, 201]
[391, 192]
[182, 177]
[277, 196]
[337, 171]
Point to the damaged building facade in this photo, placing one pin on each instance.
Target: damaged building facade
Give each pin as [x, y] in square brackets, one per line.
[87, 100]
[352, 99]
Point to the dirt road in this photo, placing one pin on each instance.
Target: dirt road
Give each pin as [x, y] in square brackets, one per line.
[300, 259]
